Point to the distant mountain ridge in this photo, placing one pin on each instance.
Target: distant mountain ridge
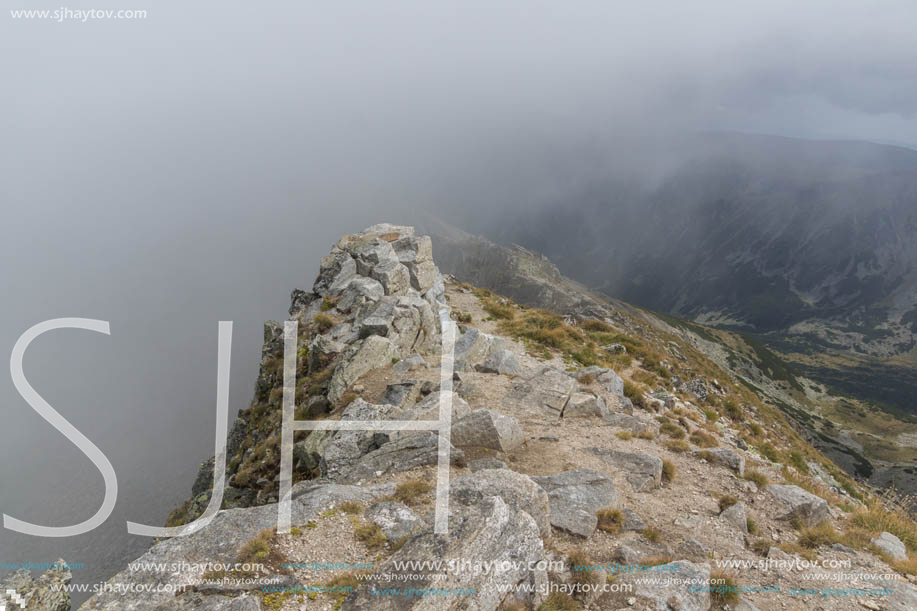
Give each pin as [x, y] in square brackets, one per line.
[812, 246]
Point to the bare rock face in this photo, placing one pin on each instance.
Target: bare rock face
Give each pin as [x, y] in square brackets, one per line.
[484, 428]
[483, 532]
[585, 405]
[797, 503]
[576, 496]
[372, 353]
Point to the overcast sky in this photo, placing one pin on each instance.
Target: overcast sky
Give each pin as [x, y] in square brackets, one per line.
[191, 167]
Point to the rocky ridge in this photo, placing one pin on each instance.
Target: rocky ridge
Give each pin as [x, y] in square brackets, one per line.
[578, 440]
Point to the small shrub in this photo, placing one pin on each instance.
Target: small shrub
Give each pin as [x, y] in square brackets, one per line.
[672, 430]
[816, 536]
[633, 392]
[411, 492]
[257, 548]
[769, 452]
[760, 546]
[652, 534]
[624, 435]
[351, 507]
[703, 440]
[582, 576]
[322, 322]
[755, 429]
[463, 317]
[668, 471]
[370, 535]
[757, 477]
[726, 501]
[798, 461]
[711, 415]
[733, 410]
[609, 520]
[752, 526]
[328, 303]
[648, 435]
[558, 601]
[725, 593]
[677, 446]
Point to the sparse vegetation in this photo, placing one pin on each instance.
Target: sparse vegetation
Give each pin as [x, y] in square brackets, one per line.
[678, 446]
[757, 477]
[351, 508]
[609, 520]
[703, 440]
[624, 435]
[652, 534]
[726, 501]
[672, 430]
[558, 601]
[668, 471]
[370, 535]
[411, 492]
[726, 590]
[322, 322]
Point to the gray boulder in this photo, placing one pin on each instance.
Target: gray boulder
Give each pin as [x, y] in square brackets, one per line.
[692, 548]
[735, 515]
[642, 471]
[517, 490]
[667, 594]
[358, 292]
[797, 503]
[396, 520]
[576, 496]
[725, 457]
[484, 428]
[403, 454]
[891, 545]
[487, 533]
[585, 405]
[393, 276]
[547, 391]
[501, 361]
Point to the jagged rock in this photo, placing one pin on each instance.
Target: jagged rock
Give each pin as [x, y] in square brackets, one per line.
[396, 520]
[357, 292]
[403, 454]
[630, 520]
[335, 272]
[400, 394]
[473, 347]
[322, 349]
[416, 254]
[632, 423]
[735, 515]
[643, 471]
[692, 548]
[484, 428]
[486, 531]
[670, 594]
[725, 457]
[486, 463]
[585, 405]
[394, 277]
[517, 490]
[372, 253]
[38, 594]
[891, 545]
[797, 503]
[220, 541]
[548, 390]
[606, 378]
[334, 452]
[359, 359]
[698, 388]
[840, 547]
[615, 348]
[576, 496]
[501, 361]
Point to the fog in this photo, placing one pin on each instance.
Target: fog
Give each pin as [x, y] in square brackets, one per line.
[168, 173]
